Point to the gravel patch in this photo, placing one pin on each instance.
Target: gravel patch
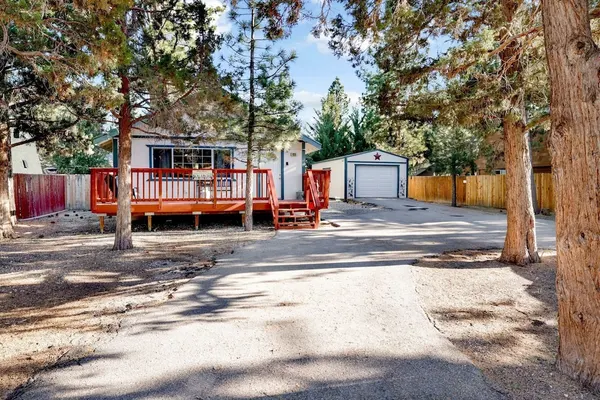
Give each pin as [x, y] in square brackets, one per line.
[503, 317]
[62, 289]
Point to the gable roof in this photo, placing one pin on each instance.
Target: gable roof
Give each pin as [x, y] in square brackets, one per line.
[358, 154]
[307, 139]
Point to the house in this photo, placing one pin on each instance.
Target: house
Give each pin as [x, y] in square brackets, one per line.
[541, 159]
[185, 175]
[374, 173]
[25, 158]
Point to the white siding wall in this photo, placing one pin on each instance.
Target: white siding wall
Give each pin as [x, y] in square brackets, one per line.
[140, 158]
[25, 159]
[336, 190]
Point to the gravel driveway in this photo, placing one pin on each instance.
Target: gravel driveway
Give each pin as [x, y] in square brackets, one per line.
[325, 314]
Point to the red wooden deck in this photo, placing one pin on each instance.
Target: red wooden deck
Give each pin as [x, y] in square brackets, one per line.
[157, 191]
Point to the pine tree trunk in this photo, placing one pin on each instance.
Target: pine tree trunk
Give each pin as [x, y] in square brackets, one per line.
[536, 207]
[248, 219]
[520, 244]
[6, 226]
[123, 235]
[249, 192]
[574, 66]
[454, 190]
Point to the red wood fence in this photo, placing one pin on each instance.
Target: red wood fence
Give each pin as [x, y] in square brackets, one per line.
[37, 195]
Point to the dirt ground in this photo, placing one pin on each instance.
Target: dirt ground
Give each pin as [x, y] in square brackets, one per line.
[62, 289]
[503, 317]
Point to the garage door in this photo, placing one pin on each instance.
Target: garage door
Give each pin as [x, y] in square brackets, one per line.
[376, 181]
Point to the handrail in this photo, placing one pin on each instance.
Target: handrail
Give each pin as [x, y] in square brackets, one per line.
[312, 191]
[177, 185]
[181, 170]
[273, 200]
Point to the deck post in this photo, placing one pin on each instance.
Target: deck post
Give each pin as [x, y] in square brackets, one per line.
[101, 218]
[149, 215]
[317, 218]
[196, 219]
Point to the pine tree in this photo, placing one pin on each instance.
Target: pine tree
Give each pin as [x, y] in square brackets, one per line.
[259, 78]
[573, 62]
[330, 125]
[453, 151]
[50, 52]
[336, 104]
[363, 126]
[169, 45]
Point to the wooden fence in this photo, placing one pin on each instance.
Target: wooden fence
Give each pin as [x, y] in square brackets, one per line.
[78, 192]
[37, 195]
[32, 196]
[479, 190]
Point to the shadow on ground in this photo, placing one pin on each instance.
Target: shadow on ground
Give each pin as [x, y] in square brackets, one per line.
[348, 376]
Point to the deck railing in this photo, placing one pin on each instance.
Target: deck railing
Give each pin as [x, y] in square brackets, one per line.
[178, 185]
[273, 200]
[321, 180]
[311, 193]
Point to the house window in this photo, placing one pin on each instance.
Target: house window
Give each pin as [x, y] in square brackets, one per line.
[223, 159]
[192, 158]
[162, 158]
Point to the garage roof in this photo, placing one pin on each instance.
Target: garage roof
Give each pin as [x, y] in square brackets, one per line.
[361, 153]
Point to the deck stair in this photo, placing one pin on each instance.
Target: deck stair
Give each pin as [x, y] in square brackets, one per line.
[296, 215]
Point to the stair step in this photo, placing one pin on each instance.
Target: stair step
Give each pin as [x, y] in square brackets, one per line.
[296, 226]
[295, 215]
[296, 212]
[287, 206]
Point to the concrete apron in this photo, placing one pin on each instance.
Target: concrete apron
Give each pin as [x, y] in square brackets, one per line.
[331, 313]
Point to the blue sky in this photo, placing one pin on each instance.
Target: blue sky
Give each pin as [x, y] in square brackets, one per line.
[315, 69]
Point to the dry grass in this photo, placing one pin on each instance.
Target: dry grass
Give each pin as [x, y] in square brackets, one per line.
[503, 317]
[62, 289]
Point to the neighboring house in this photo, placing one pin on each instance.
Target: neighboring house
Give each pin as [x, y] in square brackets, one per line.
[25, 158]
[107, 141]
[161, 150]
[374, 173]
[541, 159]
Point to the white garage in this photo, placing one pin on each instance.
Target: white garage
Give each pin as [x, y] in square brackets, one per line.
[375, 173]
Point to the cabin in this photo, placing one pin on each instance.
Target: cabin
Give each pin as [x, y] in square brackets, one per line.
[183, 175]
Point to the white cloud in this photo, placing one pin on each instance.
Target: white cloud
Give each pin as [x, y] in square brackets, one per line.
[309, 99]
[311, 102]
[354, 98]
[322, 43]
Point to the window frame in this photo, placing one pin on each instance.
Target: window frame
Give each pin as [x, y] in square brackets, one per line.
[213, 151]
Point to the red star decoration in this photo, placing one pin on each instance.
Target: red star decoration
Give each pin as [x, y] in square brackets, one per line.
[377, 156]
